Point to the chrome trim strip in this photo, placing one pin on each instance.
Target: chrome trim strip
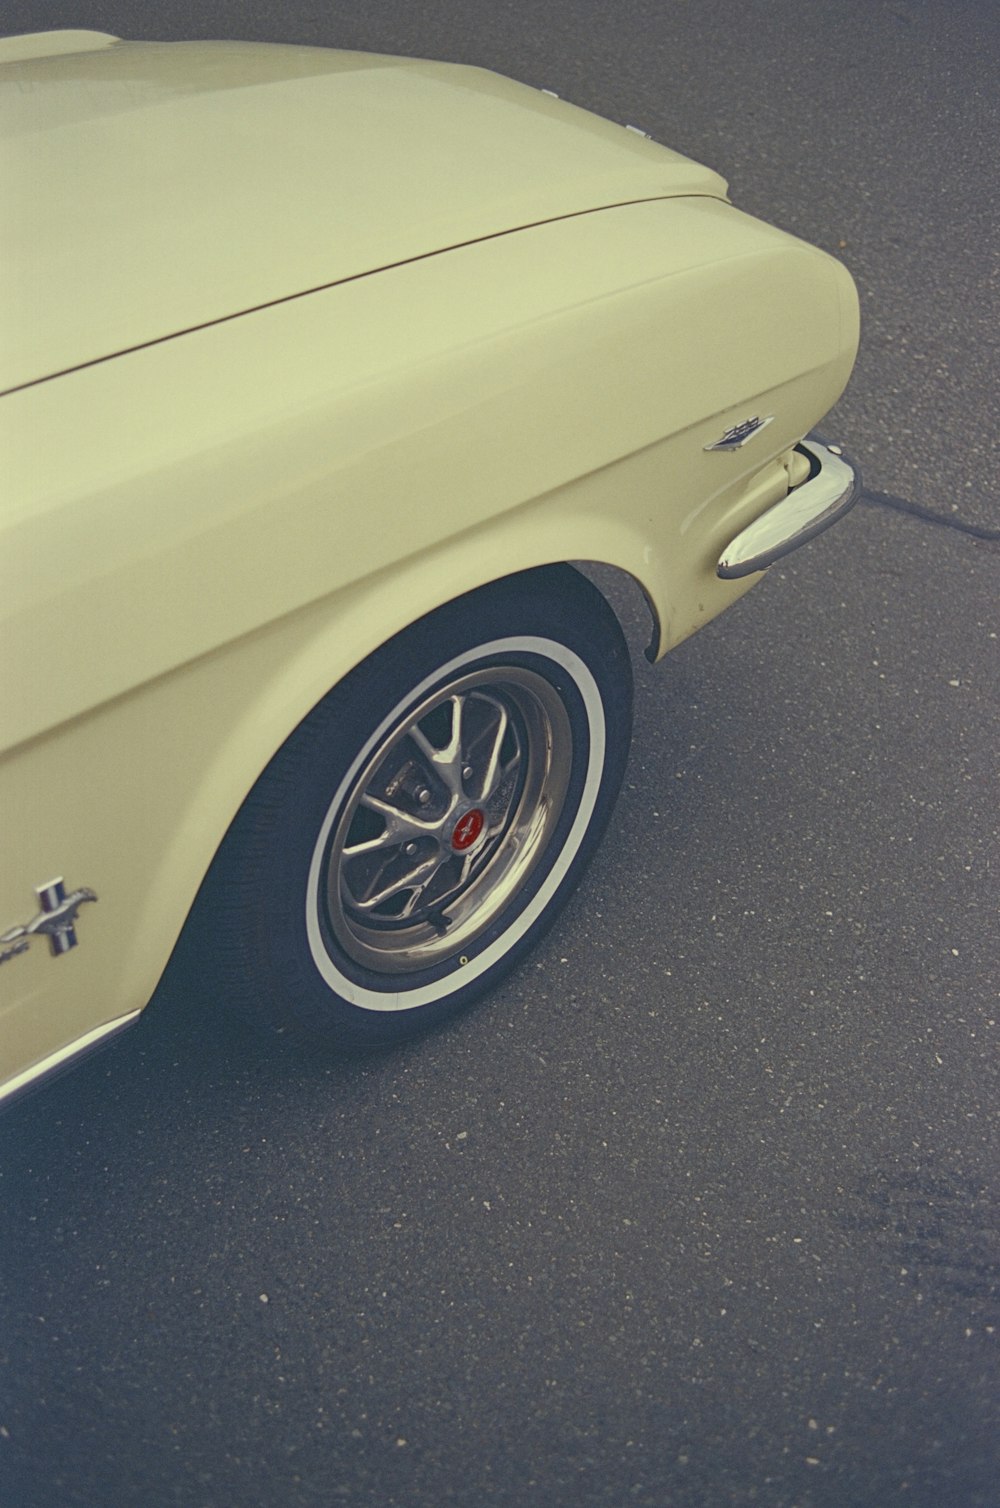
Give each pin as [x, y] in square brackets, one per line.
[64, 1055]
[808, 509]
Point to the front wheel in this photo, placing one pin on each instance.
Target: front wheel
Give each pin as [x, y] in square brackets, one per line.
[427, 821]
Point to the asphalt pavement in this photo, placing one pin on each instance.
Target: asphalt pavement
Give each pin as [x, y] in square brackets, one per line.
[703, 1206]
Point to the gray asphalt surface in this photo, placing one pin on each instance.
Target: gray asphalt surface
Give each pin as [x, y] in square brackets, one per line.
[702, 1207]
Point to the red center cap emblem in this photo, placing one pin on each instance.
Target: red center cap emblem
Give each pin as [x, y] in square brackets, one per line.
[467, 829]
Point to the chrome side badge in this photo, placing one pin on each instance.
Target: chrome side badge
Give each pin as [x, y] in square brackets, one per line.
[738, 436]
[56, 921]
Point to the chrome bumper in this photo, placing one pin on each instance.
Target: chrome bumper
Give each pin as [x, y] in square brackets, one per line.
[831, 490]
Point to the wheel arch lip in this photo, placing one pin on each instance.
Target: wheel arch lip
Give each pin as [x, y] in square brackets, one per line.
[291, 667]
[329, 640]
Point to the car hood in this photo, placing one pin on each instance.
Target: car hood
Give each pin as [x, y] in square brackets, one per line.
[153, 188]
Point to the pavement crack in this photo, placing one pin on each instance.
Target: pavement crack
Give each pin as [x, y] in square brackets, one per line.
[917, 510]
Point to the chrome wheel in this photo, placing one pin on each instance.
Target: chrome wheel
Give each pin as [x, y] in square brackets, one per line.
[447, 819]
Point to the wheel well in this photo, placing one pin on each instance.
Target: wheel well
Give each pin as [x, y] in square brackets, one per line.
[235, 754]
[631, 602]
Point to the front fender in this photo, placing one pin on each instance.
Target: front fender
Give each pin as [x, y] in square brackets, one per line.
[206, 535]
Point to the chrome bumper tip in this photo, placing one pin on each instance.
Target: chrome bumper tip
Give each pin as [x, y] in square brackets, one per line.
[830, 491]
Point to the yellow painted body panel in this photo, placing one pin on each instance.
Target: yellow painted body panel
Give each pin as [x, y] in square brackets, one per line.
[213, 177]
[201, 537]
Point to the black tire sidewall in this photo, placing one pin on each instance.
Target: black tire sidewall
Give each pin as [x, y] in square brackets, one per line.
[277, 834]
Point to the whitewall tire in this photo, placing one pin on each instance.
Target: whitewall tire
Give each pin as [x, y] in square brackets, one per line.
[427, 821]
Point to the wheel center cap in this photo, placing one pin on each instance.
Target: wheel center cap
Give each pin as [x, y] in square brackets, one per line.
[467, 829]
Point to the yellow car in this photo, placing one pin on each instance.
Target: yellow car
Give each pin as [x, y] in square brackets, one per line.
[318, 370]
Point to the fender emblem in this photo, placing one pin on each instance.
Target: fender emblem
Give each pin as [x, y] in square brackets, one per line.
[56, 921]
[738, 436]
